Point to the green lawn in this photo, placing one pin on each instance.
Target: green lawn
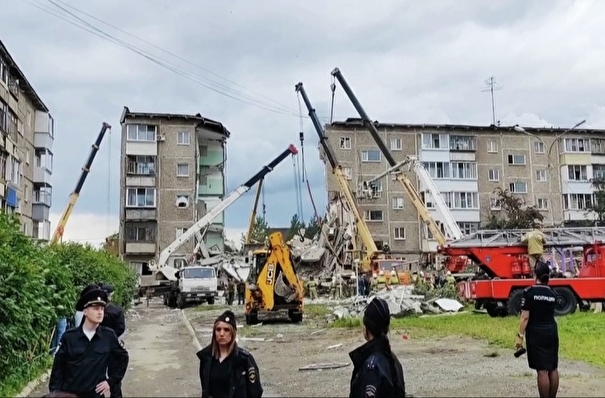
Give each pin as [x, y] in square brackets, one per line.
[581, 335]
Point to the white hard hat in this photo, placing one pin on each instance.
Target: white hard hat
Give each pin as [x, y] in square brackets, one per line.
[448, 273]
[374, 275]
[393, 273]
[421, 273]
[381, 273]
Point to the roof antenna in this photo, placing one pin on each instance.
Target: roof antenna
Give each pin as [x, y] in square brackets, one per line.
[491, 87]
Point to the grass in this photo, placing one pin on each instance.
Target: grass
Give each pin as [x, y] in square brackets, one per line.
[14, 384]
[581, 335]
[316, 310]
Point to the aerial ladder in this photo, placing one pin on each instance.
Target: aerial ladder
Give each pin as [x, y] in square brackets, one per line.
[248, 243]
[166, 271]
[370, 253]
[73, 197]
[395, 167]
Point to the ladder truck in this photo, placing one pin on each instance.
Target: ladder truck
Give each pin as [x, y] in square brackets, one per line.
[167, 267]
[453, 231]
[504, 270]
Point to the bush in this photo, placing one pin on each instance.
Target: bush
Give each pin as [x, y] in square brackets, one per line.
[39, 285]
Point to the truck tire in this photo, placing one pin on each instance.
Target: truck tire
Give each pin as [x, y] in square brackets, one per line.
[210, 300]
[514, 302]
[171, 300]
[566, 301]
[295, 316]
[180, 301]
[165, 298]
[252, 318]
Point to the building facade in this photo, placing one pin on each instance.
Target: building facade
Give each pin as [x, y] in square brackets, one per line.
[26, 158]
[171, 174]
[549, 168]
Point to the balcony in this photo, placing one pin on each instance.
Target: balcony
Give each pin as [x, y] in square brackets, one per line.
[211, 185]
[43, 141]
[42, 175]
[463, 143]
[140, 171]
[41, 230]
[140, 248]
[211, 156]
[41, 203]
[140, 214]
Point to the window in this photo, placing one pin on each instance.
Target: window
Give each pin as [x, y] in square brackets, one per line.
[26, 193]
[179, 232]
[141, 132]
[396, 144]
[517, 187]
[348, 172]
[463, 143]
[143, 165]
[140, 234]
[464, 170]
[598, 170]
[516, 159]
[182, 170]
[377, 185]
[373, 215]
[399, 233]
[397, 203]
[345, 142]
[492, 146]
[541, 175]
[183, 138]
[434, 141]
[597, 145]
[576, 145]
[538, 147]
[371, 156]
[468, 228]
[577, 201]
[494, 204]
[140, 197]
[3, 72]
[182, 201]
[28, 155]
[464, 200]
[438, 169]
[542, 204]
[577, 172]
[493, 175]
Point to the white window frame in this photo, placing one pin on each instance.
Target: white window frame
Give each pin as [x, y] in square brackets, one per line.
[493, 175]
[136, 205]
[542, 203]
[399, 233]
[366, 159]
[178, 171]
[396, 144]
[347, 172]
[183, 138]
[492, 146]
[493, 204]
[573, 145]
[513, 158]
[434, 170]
[513, 185]
[582, 169]
[138, 135]
[429, 141]
[468, 170]
[368, 213]
[579, 199]
[541, 175]
[398, 203]
[469, 199]
[539, 147]
[345, 143]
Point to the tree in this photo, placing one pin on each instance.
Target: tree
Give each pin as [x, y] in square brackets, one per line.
[513, 213]
[598, 206]
[313, 227]
[260, 231]
[295, 226]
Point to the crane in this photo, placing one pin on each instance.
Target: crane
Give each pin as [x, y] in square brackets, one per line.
[73, 197]
[252, 221]
[371, 250]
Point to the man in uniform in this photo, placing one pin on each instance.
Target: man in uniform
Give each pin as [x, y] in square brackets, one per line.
[535, 241]
[241, 290]
[449, 279]
[381, 281]
[90, 358]
[114, 319]
[230, 291]
[394, 280]
[312, 285]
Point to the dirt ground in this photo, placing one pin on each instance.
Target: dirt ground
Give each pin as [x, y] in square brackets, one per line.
[163, 362]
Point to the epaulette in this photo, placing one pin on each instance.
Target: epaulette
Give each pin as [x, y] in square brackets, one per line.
[527, 288]
[371, 362]
[242, 352]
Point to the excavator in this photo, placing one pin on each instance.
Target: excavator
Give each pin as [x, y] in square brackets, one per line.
[372, 260]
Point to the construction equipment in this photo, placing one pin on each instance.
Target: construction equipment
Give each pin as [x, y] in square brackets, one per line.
[166, 268]
[73, 197]
[273, 284]
[504, 269]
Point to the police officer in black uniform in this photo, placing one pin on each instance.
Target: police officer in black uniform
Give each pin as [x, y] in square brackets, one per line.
[90, 357]
[376, 370]
[539, 328]
[114, 319]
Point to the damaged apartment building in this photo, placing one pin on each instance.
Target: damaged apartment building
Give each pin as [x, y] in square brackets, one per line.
[26, 158]
[171, 174]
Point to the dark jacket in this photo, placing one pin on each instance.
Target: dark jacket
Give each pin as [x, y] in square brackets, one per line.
[245, 381]
[114, 319]
[376, 373]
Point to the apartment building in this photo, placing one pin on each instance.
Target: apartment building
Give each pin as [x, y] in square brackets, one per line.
[550, 168]
[26, 158]
[171, 174]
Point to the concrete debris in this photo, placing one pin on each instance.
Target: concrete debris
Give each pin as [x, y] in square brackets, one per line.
[334, 346]
[322, 366]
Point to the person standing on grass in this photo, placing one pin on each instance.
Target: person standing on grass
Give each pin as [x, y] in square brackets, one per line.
[227, 370]
[90, 358]
[377, 372]
[539, 327]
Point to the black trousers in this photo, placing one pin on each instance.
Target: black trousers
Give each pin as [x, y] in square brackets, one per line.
[115, 391]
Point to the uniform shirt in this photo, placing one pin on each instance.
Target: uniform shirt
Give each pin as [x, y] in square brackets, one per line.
[82, 362]
[114, 319]
[540, 301]
[220, 375]
[535, 241]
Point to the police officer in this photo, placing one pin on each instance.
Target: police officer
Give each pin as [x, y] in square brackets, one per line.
[90, 358]
[376, 370]
[114, 319]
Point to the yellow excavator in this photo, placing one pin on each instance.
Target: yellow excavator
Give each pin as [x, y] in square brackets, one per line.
[273, 284]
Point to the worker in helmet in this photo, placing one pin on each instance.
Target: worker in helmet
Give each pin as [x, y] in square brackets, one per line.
[381, 281]
[312, 286]
[374, 282]
[394, 278]
[449, 279]
[535, 241]
[420, 281]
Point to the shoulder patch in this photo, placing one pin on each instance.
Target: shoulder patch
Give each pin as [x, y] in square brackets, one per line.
[370, 391]
[252, 375]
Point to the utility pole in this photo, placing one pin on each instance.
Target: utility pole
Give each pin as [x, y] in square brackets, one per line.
[491, 87]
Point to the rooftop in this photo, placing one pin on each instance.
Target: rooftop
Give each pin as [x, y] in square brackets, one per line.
[356, 122]
[24, 84]
[209, 124]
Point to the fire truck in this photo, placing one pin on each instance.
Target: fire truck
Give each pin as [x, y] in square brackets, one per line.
[503, 269]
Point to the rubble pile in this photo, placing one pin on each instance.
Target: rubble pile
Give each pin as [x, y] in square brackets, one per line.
[401, 303]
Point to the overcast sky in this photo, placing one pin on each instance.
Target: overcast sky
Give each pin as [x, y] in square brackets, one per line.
[237, 62]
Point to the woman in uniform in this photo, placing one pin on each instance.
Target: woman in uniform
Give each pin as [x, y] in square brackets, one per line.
[376, 370]
[227, 370]
[539, 328]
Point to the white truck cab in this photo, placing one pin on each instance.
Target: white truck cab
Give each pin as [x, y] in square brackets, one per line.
[195, 283]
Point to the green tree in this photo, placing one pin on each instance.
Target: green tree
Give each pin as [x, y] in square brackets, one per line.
[260, 231]
[295, 226]
[313, 227]
[513, 214]
[598, 206]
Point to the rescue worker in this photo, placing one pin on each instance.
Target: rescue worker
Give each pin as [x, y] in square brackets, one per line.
[90, 358]
[230, 291]
[535, 241]
[241, 290]
[114, 319]
[394, 278]
[381, 281]
[335, 287]
[374, 282]
[227, 370]
[449, 279]
[377, 372]
[312, 285]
